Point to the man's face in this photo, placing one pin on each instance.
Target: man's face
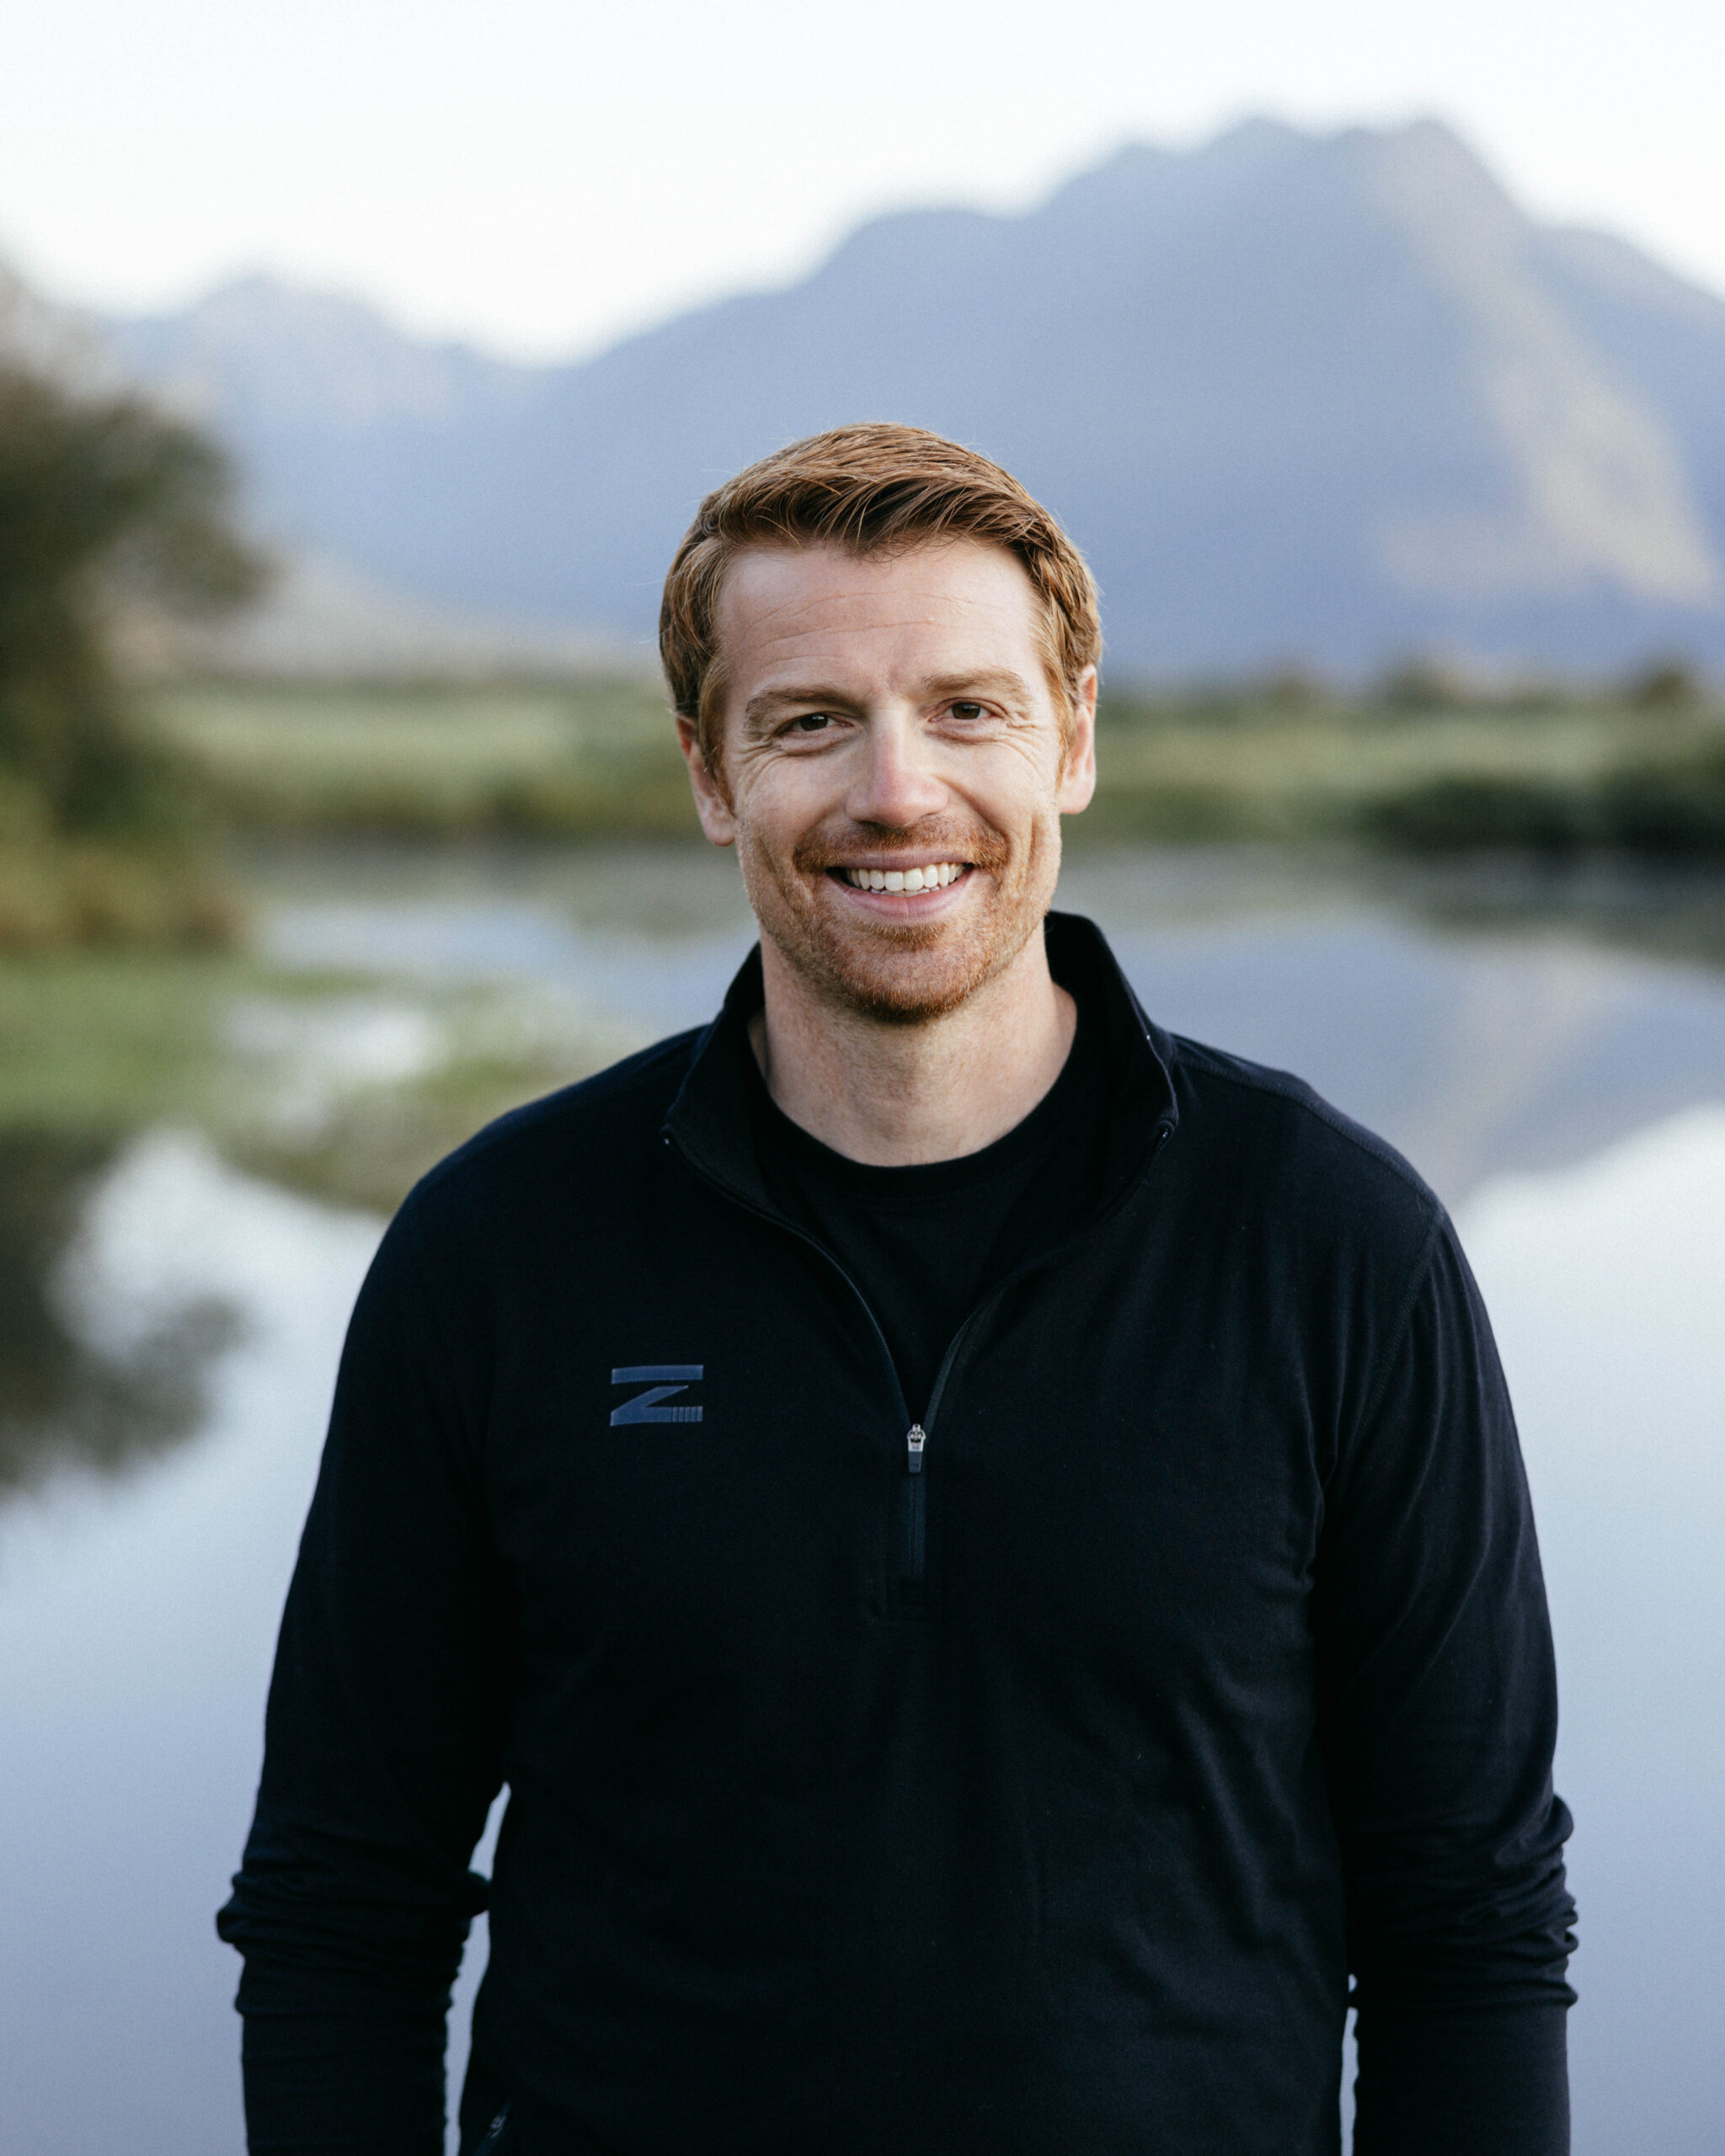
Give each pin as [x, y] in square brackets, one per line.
[890, 721]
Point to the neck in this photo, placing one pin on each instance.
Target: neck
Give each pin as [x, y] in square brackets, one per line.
[896, 1094]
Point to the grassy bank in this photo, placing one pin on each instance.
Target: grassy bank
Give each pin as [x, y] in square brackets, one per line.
[1547, 777]
[349, 1087]
[585, 759]
[580, 759]
[56, 894]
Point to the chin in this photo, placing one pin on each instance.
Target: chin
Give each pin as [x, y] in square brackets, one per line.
[910, 987]
[907, 975]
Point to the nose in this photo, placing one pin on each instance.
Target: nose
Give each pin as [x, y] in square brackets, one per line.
[896, 785]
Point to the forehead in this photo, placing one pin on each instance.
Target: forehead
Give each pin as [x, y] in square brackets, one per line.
[954, 602]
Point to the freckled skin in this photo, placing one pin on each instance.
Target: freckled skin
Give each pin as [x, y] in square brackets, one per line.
[887, 713]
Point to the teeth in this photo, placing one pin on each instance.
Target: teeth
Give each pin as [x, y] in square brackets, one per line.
[932, 877]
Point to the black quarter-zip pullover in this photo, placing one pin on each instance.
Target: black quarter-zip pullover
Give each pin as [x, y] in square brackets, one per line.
[1034, 1789]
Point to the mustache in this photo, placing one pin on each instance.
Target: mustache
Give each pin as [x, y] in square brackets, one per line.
[947, 838]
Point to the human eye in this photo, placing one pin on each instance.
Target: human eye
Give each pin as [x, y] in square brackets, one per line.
[967, 711]
[807, 723]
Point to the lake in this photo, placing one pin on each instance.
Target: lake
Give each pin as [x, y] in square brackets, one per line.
[1550, 1053]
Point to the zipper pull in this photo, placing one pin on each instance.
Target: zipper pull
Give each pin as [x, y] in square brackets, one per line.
[912, 1510]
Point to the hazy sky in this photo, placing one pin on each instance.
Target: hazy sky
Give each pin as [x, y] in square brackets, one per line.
[540, 176]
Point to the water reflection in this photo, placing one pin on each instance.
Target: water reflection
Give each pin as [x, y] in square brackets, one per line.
[137, 1619]
[1476, 1056]
[1605, 1285]
[1512, 1020]
[88, 1375]
[1566, 1092]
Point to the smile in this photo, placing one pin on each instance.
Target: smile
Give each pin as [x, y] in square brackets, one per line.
[930, 876]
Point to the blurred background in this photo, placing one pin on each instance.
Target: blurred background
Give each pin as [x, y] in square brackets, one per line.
[360, 367]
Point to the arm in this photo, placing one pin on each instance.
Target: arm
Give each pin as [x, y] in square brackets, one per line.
[382, 1749]
[1439, 1714]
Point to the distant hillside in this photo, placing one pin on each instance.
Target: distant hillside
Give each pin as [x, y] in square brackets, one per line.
[1333, 398]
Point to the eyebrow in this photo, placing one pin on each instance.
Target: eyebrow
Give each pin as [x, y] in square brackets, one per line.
[999, 682]
[815, 698]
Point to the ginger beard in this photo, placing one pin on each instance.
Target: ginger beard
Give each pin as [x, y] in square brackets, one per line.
[909, 972]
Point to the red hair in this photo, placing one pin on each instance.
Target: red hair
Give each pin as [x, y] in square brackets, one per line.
[873, 489]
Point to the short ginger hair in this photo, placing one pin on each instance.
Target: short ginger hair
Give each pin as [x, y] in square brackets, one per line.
[871, 489]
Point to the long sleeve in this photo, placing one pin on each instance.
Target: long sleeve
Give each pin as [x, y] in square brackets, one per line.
[382, 1751]
[1439, 1709]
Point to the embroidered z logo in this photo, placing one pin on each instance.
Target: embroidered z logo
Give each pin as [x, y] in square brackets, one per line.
[663, 1381]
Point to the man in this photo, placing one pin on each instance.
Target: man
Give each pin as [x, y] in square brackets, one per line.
[986, 1541]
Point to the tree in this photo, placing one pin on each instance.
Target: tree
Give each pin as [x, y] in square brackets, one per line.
[104, 501]
[1663, 685]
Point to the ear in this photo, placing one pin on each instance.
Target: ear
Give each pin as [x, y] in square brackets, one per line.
[711, 803]
[1078, 778]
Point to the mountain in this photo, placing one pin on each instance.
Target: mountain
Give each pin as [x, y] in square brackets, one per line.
[1328, 398]
[325, 621]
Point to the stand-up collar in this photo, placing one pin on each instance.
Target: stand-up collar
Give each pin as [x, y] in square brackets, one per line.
[709, 1122]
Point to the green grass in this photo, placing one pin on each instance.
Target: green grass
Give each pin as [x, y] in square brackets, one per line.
[56, 894]
[599, 760]
[1556, 777]
[95, 1045]
[580, 760]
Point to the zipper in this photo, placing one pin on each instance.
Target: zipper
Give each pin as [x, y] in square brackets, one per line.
[809, 1243]
[913, 1509]
[913, 1543]
[913, 1553]
[493, 2134]
[913, 1539]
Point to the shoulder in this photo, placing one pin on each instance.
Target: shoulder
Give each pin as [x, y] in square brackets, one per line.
[566, 1147]
[1255, 1128]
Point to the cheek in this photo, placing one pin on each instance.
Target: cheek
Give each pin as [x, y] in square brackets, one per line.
[777, 805]
[1016, 784]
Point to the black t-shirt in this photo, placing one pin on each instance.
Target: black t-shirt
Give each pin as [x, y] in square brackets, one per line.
[926, 1244]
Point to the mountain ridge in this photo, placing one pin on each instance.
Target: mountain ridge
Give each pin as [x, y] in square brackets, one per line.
[1322, 398]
